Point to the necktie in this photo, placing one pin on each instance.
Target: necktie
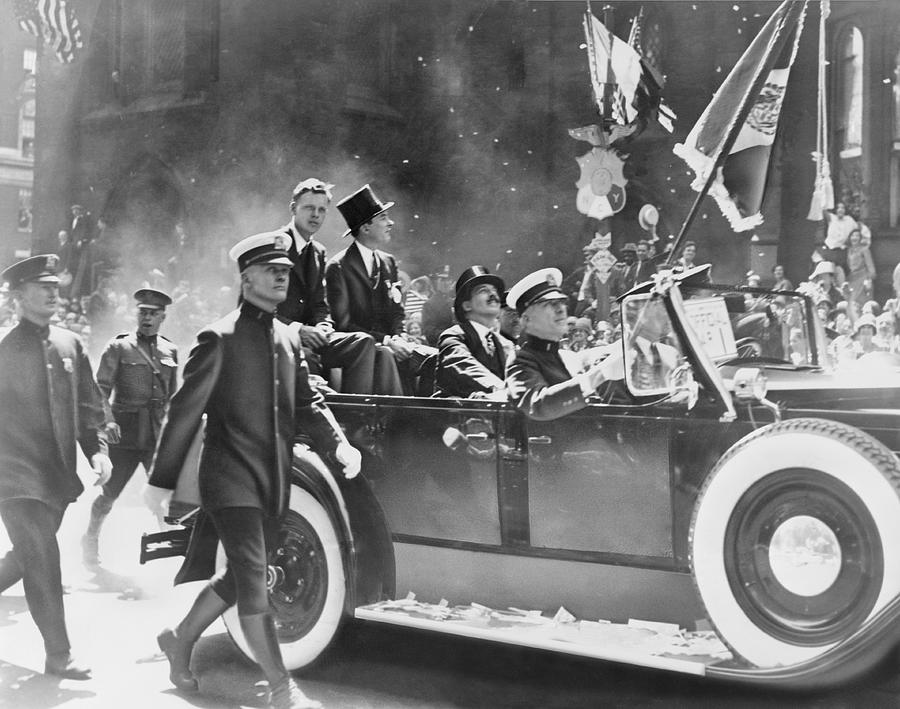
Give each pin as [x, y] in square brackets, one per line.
[375, 276]
[649, 369]
[308, 259]
[489, 345]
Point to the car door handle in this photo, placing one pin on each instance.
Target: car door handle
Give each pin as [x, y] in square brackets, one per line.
[539, 440]
[482, 436]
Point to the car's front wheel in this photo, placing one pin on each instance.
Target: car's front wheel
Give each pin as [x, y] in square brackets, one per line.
[795, 539]
[307, 585]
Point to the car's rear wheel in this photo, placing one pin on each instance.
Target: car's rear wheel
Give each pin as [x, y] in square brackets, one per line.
[306, 583]
[795, 539]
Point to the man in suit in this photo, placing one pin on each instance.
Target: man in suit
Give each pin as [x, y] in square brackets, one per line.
[48, 402]
[646, 265]
[363, 289]
[351, 352]
[625, 272]
[248, 375]
[471, 360]
[137, 374]
[544, 381]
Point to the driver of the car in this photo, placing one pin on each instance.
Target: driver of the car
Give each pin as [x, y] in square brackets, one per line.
[543, 381]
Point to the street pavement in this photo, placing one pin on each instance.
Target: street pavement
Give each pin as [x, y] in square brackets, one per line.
[115, 613]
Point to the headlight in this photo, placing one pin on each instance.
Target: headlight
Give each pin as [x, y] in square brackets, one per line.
[750, 385]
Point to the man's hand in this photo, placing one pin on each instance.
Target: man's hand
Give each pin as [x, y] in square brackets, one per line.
[113, 432]
[611, 368]
[350, 458]
[312, 337]
[400, 347]
[102, 466]
[157, 499]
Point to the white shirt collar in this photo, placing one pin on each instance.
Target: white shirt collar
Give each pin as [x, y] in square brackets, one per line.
[482, 330]
[299, 241]
[368, 256]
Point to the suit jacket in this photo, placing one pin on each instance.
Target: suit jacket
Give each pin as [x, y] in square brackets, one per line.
[464, 366]
[233, 375]
[48, 401]
[136, 392]
[358, 306]
[306, 302]
[540, 382]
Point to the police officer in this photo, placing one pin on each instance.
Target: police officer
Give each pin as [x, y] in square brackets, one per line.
[48, 401]
[137, 375]
[248, 375]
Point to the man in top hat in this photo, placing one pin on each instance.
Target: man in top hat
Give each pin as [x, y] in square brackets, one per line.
[437, 312]
[363, 287]
[137, 375]
[247, 373]
[544, 381]
[472, 359]
[49, 400]
[351, 352]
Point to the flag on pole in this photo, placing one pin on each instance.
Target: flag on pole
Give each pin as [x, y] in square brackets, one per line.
[751, 96]
[54, 22]
[823, 188]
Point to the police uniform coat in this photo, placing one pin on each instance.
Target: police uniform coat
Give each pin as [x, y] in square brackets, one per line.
[137, 386]
[48, 401]
[357, 304]
[539, 380]
[247, 374]
[306, 302]
[464, 366]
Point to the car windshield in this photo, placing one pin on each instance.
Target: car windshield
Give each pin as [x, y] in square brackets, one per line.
[751, 323]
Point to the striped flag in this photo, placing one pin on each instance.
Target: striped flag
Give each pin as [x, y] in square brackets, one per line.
[751, 96]
[54, 22]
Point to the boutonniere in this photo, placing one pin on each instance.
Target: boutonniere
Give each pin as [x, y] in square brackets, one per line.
[396, 295]
[67, 364]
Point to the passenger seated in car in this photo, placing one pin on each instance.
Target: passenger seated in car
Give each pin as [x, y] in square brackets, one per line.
[651, 357]
[543, 381]
[472, 358]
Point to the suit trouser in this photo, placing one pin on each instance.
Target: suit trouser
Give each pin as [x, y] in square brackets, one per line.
[32, 526]
[124, 463]
[354, 354]
[246, 535]
[387, 372]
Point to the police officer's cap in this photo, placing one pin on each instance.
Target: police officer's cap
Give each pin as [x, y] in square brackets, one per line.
[265, 248]
[536, 287]
[37, 269]
[152, 298]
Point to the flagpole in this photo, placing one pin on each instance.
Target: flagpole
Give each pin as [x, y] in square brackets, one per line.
[733, 130]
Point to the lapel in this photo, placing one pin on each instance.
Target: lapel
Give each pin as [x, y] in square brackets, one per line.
[476, 346]
[356, 266]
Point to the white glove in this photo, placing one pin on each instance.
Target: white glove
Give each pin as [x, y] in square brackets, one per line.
[350, 458]
[102, 466]
[157, 499]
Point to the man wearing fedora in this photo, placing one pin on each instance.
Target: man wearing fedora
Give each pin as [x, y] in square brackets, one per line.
[49, 400]
[544, 381]
[137, 375]
[247, 374]
[306, 305]
[472, 359]
[363, 288]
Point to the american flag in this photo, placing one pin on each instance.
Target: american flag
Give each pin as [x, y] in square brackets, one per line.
[53, 21]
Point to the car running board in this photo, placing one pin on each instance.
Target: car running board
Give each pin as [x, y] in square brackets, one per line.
[646, 644]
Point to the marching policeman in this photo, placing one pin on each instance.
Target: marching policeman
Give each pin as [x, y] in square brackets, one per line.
[48, 401]
[137, 375]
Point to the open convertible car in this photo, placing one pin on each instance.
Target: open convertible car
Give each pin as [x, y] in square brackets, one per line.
[742, 487]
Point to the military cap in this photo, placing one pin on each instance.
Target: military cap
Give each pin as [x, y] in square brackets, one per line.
[311, 184]
[37, 269]
[264, 248]
[151, 298]
[360, 207]
[471, 277]
[535, 287]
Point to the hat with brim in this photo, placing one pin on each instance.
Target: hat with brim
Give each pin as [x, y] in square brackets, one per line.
[36, 269]
[152, 298]
[629, 247]
[584, 324]
[536, 287]
[822, 268]
[865, 320]
[270, 247]
[471, 277]
[361, 207]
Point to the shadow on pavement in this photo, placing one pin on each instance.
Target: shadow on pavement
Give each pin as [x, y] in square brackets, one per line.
[21, 687]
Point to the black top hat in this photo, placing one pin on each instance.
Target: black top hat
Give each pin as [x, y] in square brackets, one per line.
[470, 278]
[151, 298]
[37, 269]
[361, 207]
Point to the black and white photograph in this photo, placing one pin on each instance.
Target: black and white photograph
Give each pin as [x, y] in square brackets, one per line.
[449, 354]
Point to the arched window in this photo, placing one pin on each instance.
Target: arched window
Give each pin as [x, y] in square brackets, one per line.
[850, 93]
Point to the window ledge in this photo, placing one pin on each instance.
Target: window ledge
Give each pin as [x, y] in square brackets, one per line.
[145, 105]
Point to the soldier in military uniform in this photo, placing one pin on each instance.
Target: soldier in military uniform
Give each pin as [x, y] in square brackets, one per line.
[543, 381]
[48, 401]
[137, 375]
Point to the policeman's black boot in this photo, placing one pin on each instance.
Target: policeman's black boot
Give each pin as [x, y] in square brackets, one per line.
[259, 629]
[90, 542]
[178, 643]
